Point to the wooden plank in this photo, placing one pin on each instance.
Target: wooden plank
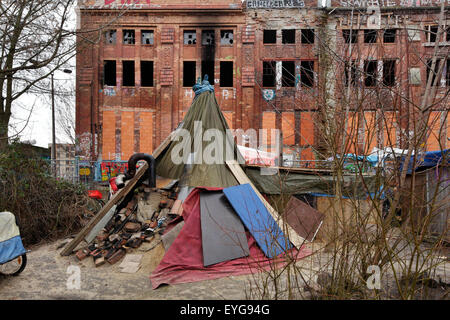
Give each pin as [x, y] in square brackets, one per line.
[104, 210]
[100, 225]
[242, 178]
[293, 169]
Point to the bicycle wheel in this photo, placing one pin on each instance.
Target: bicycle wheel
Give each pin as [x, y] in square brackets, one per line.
[15, 266]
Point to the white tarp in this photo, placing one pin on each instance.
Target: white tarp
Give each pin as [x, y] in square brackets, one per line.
[8, 226]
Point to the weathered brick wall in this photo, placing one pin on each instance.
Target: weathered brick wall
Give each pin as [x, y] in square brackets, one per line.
[136, 118]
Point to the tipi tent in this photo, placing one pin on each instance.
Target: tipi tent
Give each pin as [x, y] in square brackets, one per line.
[203, 141]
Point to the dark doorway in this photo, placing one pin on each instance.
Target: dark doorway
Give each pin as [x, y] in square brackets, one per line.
[208, 69]
[269, 73]
[147, 73]
[226, 73]
[109, 73]
[288, 74]
[128, 73]
[189, 73]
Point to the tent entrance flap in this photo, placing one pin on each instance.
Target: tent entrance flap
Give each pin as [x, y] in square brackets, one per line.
[258, 220]
[223, 235]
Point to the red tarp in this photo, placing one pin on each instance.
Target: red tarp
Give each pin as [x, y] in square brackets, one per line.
[183, 262]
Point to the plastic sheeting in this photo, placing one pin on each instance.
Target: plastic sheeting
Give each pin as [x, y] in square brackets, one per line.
[297, 183]
[258, 220]
[204, 116]
[11, 249]
[10, 242]
[183, 262]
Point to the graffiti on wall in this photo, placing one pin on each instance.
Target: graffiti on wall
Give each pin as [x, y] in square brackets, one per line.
[387, 3]
[268, 94]
[113, 3]
[110, 169]
[84, 145]
[110, 92]
[226, 94]
[275, 4]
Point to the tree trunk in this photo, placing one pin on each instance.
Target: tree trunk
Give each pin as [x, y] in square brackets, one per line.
[4, 122]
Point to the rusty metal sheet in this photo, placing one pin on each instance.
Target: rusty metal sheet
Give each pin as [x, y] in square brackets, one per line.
[304, 219]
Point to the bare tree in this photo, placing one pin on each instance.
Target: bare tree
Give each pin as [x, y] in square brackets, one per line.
[368, 98]
[35, 40]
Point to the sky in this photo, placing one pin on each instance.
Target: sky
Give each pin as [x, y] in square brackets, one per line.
[37, 124]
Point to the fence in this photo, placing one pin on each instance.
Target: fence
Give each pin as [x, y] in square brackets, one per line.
[87, 172]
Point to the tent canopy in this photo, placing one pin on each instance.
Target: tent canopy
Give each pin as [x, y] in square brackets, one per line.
[202, 141]
[286, 182]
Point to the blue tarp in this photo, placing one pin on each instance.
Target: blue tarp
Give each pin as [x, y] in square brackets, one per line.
[435, 158]
[428, 160]
[258, 220]
[10, 249]
[203, 86]
[372, 159]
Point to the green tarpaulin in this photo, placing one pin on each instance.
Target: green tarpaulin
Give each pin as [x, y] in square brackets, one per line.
[204, 143]
[297, 183]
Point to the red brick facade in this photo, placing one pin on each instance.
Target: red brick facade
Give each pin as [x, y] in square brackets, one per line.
[120, 112]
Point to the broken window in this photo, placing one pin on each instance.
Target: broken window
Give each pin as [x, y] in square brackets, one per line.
[109, 73]
[288, 74]
[190, 37]
[350, 36]
[128, 73]
[147, 36]
[269, 73]
[431, 33]
[128, 37]
[389, 73]
[307, 36]
[226, 73]
[370, 70]
[287, 36]
[189, 73]
[208, 37]
[389, 35]
[270, 36]
[208, 69]
[110, 36]
[370, 36]
[307, 73]
[353, 73]
[226, 37]
[436, 70]
[147, 73]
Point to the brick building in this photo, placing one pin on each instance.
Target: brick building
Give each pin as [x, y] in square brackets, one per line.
[274, 64]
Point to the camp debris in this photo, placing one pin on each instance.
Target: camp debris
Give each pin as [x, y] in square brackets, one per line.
[208, 217]
[142, 219]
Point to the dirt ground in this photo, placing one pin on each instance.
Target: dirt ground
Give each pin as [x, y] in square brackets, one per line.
[46, 276]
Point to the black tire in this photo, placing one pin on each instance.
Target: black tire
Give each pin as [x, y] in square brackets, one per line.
[22, 266]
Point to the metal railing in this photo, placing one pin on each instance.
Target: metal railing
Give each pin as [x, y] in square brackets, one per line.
[87, 172]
